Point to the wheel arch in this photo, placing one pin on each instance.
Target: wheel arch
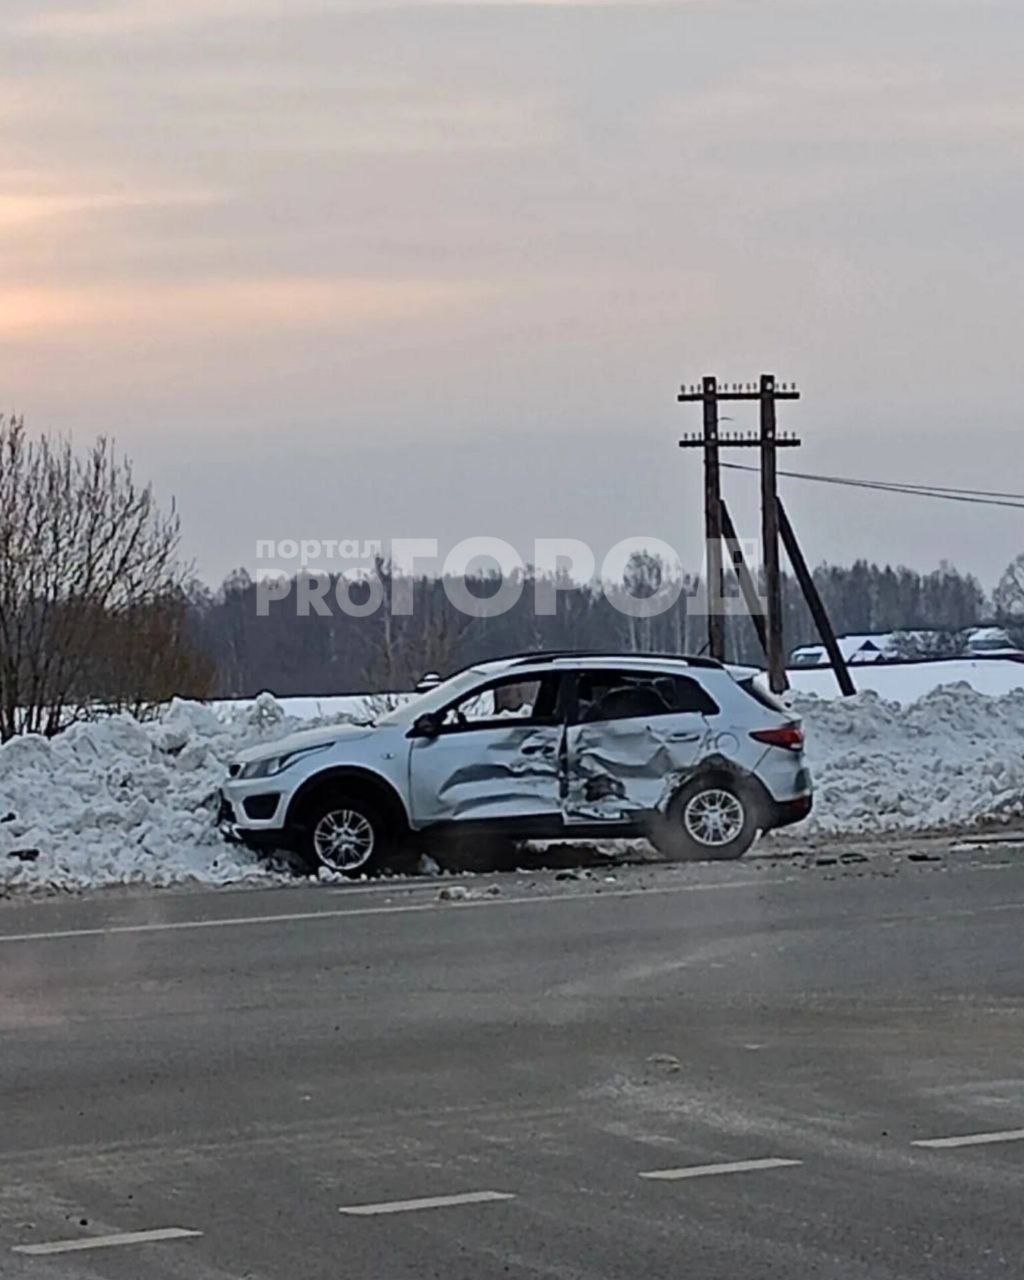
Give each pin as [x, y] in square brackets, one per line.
[365, 782]
[720, 769]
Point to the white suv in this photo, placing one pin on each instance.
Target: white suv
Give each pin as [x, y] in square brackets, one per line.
[692, 754]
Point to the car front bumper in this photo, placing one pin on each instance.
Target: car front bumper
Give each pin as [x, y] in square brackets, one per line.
[248, 814]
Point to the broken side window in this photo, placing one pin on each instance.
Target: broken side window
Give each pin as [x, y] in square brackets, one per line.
[527, 701]
[623, 695]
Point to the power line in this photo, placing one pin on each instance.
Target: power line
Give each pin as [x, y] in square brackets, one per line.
[979, 497]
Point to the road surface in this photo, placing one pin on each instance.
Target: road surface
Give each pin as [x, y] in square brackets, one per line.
[772, 1068]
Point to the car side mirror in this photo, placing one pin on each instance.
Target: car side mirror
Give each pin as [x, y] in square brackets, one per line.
[426, 726]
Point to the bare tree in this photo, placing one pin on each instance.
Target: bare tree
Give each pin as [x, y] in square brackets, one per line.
[442, 631]
[642, 578]
[145, 655]
[1009, 594]
[386, 667]
[84, 551]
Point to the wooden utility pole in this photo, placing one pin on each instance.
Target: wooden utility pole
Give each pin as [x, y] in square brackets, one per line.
[770, 537]
[711, 441]
[814, 602]
[743, 576]
[718, 526]
[713, 522]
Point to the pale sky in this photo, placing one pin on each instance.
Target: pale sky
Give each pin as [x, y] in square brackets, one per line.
[374, 268]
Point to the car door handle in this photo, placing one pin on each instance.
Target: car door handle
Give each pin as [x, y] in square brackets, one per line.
[683, 737]
[537, 749]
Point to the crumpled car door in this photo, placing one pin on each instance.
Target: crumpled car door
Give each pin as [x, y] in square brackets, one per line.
[506, 771]
[617, 768]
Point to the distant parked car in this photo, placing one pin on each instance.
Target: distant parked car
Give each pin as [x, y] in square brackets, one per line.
[695, 755]
[855, 650]
[991, 642]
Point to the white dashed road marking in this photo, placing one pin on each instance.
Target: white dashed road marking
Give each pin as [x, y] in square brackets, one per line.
[429, 1202]
[293, 917]
[107, 1242]
[710, 1170]
[972, 1139]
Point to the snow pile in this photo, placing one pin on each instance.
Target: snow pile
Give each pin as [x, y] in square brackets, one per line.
[325, 710]
[121, 802]
[951, 758]
[117, 801]
[907, 681]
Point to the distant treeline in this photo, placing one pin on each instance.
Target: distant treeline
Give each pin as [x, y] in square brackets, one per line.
[97, 613]
[291, 654]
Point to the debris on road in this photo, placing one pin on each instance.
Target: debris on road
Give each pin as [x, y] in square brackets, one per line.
[667, 1061]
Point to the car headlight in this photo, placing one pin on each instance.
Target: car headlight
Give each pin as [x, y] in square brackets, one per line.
[276, 764]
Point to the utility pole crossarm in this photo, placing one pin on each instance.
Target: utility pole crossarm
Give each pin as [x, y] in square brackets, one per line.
[749, 391]
[740, 440]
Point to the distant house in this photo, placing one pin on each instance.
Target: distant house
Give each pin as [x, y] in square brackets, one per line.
[855, 650]
[990, 642]
[895, 646]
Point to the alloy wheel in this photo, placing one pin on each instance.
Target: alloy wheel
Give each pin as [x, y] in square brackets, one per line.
[714, 818]
[344, 839]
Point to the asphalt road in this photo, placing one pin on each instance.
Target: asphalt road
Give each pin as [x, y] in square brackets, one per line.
[777, 1036]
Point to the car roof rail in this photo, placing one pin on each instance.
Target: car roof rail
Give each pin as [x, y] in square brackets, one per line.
[552, 655]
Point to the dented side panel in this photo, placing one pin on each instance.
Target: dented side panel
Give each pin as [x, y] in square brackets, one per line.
[617, 768]
[507, 771]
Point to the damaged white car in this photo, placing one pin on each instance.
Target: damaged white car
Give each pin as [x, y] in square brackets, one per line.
[693, 755]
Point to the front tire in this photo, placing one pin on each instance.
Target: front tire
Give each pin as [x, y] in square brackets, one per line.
[345, 834]
[710, 819]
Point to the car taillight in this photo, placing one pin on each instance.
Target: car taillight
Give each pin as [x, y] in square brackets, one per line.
[790, 736]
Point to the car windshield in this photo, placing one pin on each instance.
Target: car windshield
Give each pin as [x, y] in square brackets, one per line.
[434, 699]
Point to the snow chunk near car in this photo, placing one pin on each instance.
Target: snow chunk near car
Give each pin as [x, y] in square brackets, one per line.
[118, 801]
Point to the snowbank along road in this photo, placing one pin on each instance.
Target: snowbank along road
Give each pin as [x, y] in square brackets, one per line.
[119, 802]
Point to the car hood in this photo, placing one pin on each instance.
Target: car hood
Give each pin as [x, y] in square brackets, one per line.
[305, 738]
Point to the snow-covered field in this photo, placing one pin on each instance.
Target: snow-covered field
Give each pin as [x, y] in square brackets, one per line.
[906, 682]
[120, 802]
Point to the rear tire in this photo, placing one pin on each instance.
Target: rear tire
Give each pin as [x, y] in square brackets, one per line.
[710, 819]
[345, 834]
